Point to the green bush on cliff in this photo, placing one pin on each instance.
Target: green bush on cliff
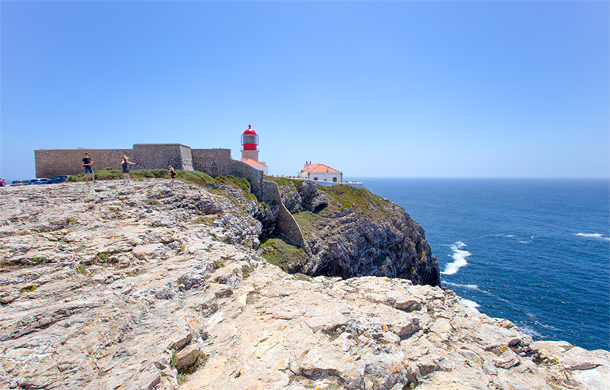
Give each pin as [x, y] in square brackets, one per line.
[343, 196]
[280, 252]
[108, 173]
[194, 177]
[306, 221]
[284, 181]
[117, 174]
[239, 182]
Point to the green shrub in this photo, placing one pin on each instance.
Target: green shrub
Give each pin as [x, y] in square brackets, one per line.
[236, 182]
[150, 173]
[281, 252]
[194, 177]
[306, 221]
[117, 174]
[29, 288]
[81, 270]
[152, 202]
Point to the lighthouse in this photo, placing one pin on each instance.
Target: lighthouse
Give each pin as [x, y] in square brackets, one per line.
[249, 151]
[249, 143]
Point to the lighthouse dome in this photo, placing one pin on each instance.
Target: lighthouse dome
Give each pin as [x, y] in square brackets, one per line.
[249, 130]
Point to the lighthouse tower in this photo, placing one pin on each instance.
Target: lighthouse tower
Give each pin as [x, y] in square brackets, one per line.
[249, 142]
[249, 152]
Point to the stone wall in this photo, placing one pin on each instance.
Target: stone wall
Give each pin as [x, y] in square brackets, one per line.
[214, 162]
[240, 169]
[54, 162]
[187, 158]
[160, 156]
[286, 224]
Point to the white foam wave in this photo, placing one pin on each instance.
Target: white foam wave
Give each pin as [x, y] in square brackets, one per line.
[528, 330]
[459, 258]
[472, 305]
[467, 286]
[510, 235]
[593, 235]
[547, 326]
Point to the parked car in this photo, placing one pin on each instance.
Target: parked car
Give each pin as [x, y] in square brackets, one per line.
[59, 179]
[20, 182]
[41, 180]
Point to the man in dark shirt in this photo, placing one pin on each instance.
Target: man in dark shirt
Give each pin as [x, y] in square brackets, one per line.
[88, 170]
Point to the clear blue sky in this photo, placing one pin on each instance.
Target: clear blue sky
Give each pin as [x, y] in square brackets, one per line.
[406, 88]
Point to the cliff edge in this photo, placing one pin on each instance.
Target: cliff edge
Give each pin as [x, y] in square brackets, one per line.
[143, 286]
[351, 232]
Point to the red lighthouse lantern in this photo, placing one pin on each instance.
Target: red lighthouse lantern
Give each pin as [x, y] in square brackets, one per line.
[249, 139]
[249, 142]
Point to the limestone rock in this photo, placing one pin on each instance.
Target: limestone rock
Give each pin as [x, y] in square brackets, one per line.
[128, 293]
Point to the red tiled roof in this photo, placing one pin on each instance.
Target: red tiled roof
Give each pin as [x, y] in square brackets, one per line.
[253, 163]
[318, 168]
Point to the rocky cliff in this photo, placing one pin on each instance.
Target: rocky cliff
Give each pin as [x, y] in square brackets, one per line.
[143, 286]
[351, 232]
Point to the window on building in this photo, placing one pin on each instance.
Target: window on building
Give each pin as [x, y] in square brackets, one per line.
[334, 179]
[315, 178]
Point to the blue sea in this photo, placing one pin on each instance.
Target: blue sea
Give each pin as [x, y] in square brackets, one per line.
[534, 251]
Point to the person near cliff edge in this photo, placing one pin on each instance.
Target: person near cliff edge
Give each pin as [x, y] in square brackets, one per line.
[87, 163]
[173, 173]
[125, 163]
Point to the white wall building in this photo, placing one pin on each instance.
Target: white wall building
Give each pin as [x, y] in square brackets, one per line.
[320, 172]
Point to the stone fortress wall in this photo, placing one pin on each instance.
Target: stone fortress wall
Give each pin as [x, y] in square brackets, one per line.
[214, 162]
[286, 224]
[53, 162]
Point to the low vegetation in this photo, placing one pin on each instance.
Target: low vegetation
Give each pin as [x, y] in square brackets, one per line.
[29, 288]
[284, 181]
[279, 251]
[306, 221]
[194, 177]
[358, 198]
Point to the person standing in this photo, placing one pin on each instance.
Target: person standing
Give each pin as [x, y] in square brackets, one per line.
[172, 172]
[125, 164]
[87, 163]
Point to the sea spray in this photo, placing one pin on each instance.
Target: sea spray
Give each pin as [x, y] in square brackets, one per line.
[459, 258]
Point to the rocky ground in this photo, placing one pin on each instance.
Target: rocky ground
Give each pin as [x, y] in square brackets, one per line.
[142, 286]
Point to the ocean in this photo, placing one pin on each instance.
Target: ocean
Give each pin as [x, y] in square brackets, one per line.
[534, 251]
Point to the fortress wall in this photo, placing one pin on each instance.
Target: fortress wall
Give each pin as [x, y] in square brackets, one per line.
[187, 158]
[286, 224]
[159, 156]
[240, 169]
[271, 192]
[214, 162]
[53, 162]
